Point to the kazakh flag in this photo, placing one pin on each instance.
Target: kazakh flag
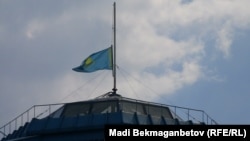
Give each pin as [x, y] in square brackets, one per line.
[97, 61]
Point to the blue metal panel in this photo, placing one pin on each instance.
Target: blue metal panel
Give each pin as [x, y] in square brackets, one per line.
[37, 126]
[69, 123]
[53, 125]
[114, 118]
[156, 120]
[171, 121]
[24, 130]
[84, 121]
[189, 122]
[129, 118]
[143, 119]
[99, 119]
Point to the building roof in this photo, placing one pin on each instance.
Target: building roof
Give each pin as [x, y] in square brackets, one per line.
[86, 120]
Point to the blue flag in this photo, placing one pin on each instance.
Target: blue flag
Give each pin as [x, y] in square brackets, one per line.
[97, 61]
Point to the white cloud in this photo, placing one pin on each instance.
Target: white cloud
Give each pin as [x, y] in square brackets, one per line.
[34, 27]
[224, 40]
[153, 37]
[146, 38]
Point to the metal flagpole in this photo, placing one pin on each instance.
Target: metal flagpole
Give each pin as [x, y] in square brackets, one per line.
[114, 51]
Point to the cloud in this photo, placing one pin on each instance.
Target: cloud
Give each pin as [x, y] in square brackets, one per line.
[35, 27]
[224, 40]
[162, 43]
[162, 34]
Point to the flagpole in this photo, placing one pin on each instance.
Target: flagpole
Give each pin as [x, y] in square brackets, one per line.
[114, 51]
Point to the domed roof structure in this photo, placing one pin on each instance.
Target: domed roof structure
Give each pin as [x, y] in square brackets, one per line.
[86, 120]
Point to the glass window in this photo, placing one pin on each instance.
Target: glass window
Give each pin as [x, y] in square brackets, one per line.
[154, 110]
[76, 109]
[57, 113]
[104, 107]
[166, 112]
[132, 107]
[159, 111]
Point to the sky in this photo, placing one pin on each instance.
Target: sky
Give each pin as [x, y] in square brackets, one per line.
[189, 53]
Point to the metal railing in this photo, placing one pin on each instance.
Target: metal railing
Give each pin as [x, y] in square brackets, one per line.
[196, 116]
[181, 113]
[42, 111]
[184, 113]
[36, 111]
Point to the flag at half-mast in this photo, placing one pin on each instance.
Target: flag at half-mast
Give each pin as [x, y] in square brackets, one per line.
[100, 60]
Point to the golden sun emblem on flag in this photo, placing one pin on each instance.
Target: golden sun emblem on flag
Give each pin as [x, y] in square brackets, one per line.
[88, 61]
